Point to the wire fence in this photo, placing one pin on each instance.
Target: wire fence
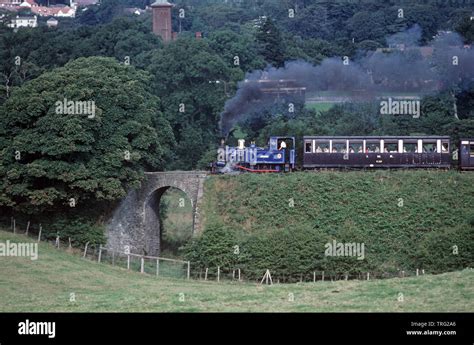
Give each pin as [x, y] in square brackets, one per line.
[141, 263]
[174, 268]
[238, 275]
[155, 265]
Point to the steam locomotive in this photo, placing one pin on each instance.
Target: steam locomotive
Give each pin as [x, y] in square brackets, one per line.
[346, 152]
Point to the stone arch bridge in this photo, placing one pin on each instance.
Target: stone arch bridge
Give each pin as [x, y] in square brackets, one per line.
[135, 222]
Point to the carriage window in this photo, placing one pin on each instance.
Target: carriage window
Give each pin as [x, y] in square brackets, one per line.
[409, 147]
[308, 147]
[472, 150]
[339, 147]
[356, 147]
[429, 147]
[444, 147]
[373, 146]
[391, 147]
[322, 146]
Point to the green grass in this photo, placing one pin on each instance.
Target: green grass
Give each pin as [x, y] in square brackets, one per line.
[320, 106]
[45, 285]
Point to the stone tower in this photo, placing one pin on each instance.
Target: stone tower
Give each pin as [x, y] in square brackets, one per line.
[162, 20]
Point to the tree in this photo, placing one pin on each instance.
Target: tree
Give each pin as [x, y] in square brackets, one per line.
[233, 47]
[184, 76]
[270, 41]
[53, 154]
[466, 28]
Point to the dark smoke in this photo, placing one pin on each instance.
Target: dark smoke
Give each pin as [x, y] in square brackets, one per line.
[400, 70]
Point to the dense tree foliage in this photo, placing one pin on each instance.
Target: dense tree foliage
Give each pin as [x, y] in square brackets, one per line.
[50, 156]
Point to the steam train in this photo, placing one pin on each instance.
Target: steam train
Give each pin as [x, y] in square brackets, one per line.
[346, 152]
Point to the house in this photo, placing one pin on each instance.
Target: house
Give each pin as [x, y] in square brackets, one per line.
[65, 11]
[24, 21]
[29, 3]
[52, 22]
[10, 3]
[54, 11]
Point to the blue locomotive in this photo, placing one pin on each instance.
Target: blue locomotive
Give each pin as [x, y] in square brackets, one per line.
[278, 156]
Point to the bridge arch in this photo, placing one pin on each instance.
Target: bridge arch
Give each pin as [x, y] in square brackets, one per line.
[135, 222]
[153, 225]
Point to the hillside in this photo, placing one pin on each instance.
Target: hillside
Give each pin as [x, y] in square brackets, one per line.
[46, 285]
[405, 219]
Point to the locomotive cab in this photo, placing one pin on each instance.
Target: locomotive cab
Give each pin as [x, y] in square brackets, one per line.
[284, 146]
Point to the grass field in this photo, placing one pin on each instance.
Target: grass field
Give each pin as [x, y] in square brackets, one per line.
[45, 285]
[320, 106]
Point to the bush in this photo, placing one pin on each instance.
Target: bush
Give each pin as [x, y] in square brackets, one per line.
[405, 219]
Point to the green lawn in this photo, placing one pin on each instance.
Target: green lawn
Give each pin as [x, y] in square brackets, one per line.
[46, 285]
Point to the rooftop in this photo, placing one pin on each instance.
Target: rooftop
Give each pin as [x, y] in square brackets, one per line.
[159, 3]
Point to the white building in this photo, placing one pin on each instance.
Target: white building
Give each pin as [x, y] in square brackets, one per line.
[24, 22]
[6, 3]
[52, 22]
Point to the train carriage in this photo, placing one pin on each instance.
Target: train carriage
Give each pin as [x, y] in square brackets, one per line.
[466, 154]
[376, 152]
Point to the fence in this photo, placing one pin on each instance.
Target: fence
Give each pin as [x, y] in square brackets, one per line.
[158, 266]
[182, 269]
[143, 263]
[219, 273]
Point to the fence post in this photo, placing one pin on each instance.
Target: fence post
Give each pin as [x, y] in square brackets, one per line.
[422, 271]
[189, 269]
[128, 262]
[27, 228]
[314, 277]
[100, 253]
[14, 225]
[142, 268]
[39, 235]
[57, 241]
[70, 244]
[233, 274]
[322, 276]
[157, 267]
[368, 275]
[85, 250]
[239, 274]
[205, 274]
[346, 276]
[113, 258]
[417, 272]
[403, 274]
[218, 274]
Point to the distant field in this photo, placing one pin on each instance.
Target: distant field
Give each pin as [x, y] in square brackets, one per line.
[45, 285]
[322, 106]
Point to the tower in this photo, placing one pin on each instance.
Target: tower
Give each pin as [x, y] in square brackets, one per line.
[162, 19]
